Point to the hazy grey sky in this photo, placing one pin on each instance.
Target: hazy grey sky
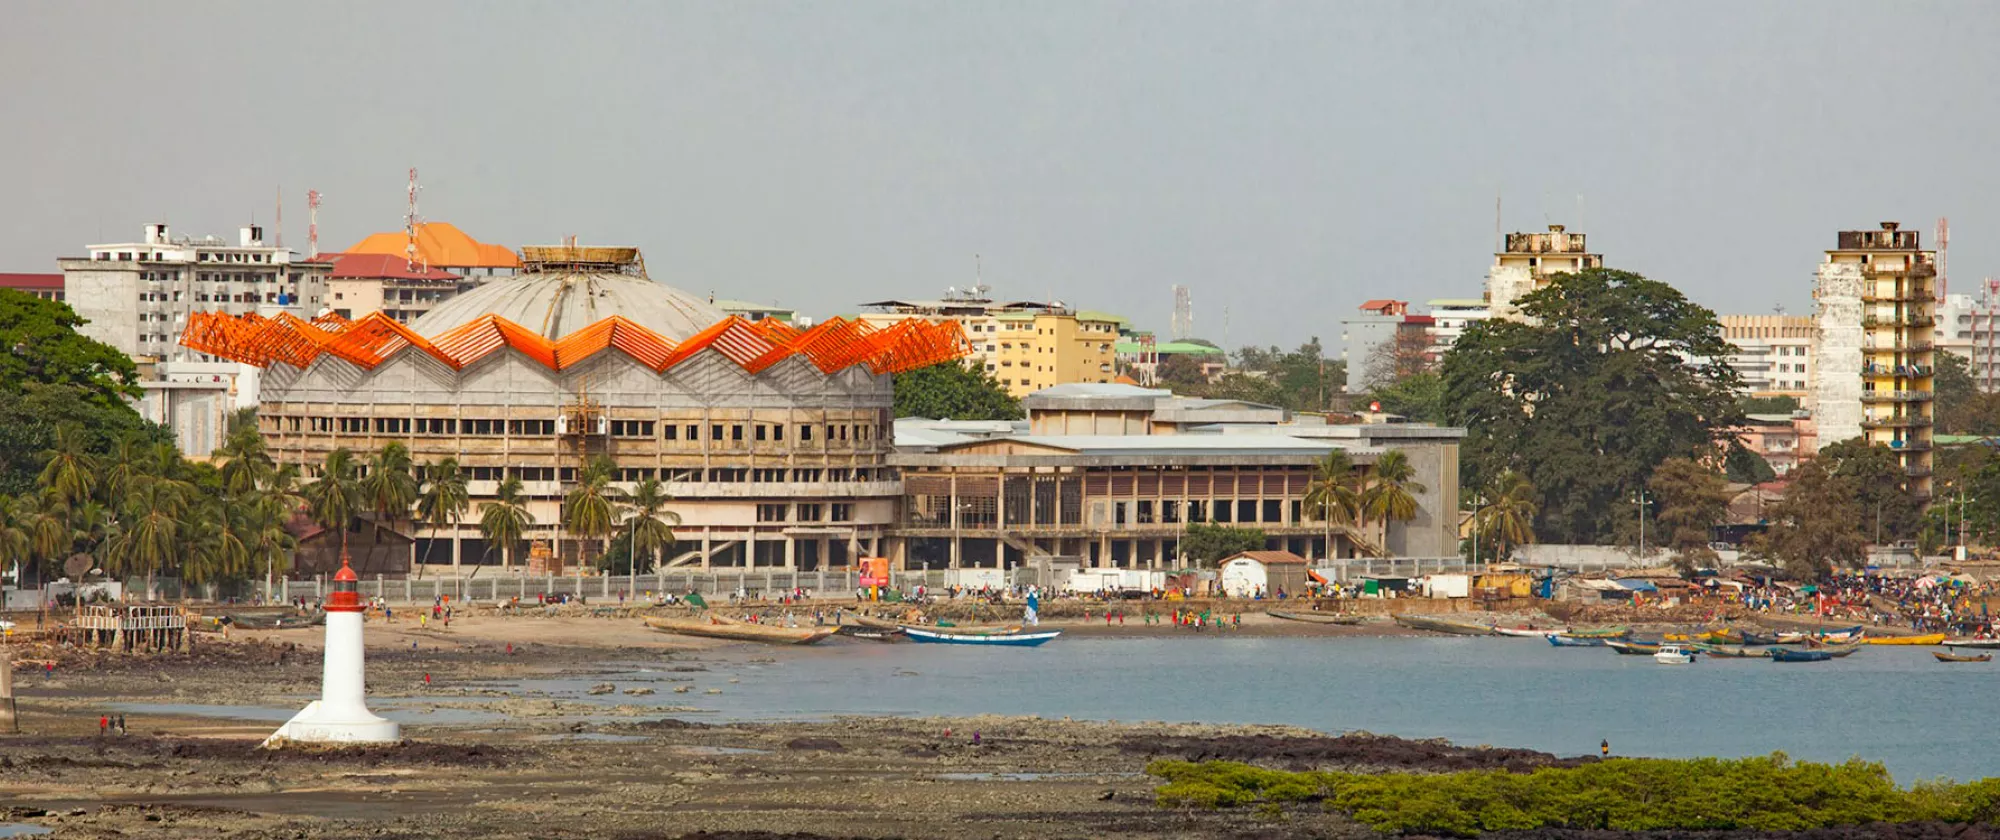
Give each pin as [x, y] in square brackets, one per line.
[1286, 160]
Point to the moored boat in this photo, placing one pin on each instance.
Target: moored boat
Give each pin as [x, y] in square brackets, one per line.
[987, 630]
[1632, 648]
[1442, 625]
[1785, 655]
[1599, 633]
[742, 631]
[1314, 617]
[1016, 640]
[1733, 651]
[1975, 644]
[869, 621]
[1524, 632]
[1962, 657]
[1673, 654]
[1560, 640]
[1927, 639]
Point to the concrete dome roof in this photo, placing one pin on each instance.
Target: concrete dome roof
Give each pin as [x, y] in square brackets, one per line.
[556, 304]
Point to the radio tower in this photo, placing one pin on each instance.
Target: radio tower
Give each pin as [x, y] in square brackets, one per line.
[1945, 241]
[1183, 323]
[410, 223]
[312, 223]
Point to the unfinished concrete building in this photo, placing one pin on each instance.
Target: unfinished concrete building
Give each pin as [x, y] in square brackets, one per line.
[772, 441]
[1529, 261]
[1875, 301]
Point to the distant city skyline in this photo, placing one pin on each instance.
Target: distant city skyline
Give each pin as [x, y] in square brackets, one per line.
[1286, 160]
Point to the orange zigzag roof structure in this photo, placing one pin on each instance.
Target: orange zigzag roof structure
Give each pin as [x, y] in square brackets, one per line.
[832, 345]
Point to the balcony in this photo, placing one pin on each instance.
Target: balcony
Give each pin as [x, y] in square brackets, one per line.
[1894, 396]
[1911, 320]
[1913, 292]
[1910, 445]
[1904, 371]
[1911, 422]
[1914, 345]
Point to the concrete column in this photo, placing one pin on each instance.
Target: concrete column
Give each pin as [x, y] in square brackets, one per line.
[705, 546]
[791, 554]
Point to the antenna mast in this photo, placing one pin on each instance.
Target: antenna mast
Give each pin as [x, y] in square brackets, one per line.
[312, 223]
[1945, 241]
[411, 222]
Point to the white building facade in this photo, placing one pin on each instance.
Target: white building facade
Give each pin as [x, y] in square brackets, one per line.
[1774, 353]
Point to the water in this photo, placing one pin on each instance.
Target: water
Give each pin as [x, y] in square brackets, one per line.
[1919, 717]
[24, 830]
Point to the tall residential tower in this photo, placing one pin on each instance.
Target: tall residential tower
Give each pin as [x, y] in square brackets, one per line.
[1872, 332]
[1529, 262]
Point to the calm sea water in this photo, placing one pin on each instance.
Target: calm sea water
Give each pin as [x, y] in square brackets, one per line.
[1899, 706]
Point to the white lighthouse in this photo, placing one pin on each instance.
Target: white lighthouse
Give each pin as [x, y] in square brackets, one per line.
[340, 715]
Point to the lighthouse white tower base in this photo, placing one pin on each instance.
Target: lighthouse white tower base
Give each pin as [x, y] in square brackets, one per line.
[340, 715]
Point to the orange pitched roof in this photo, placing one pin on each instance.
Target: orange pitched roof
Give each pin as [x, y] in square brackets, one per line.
[440, 244]
[830, 346]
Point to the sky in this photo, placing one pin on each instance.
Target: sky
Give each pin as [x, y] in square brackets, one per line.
[1284, 161]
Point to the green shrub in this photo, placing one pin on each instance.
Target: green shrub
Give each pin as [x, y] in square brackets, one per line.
[1769, 793]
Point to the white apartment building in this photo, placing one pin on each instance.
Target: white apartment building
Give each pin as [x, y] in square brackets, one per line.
[1531, 261]
[1450, 318]
[137, 296]
[1774, 353]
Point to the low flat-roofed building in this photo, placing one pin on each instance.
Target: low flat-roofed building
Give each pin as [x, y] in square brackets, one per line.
[1113, 474]
[44, 286]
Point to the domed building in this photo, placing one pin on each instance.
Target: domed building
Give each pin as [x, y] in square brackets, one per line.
[772, 441]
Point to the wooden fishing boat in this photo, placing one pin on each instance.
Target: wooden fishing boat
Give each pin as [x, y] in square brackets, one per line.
[1784, 655]
[742, 631]
[1632, 648]
[1754, 639]
[1838, 651]
[990, 630]
[1015, 640]
[1314, 617]
[1724, 636]
[869, 621]
[1599, 633]
[1733, 651]
[1441, 625]
[1927, 639]
[1962, 657]
[1525, 632]
[1975, 644]
[1560, 640]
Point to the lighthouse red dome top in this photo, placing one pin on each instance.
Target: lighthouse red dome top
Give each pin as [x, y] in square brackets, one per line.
[346, 594]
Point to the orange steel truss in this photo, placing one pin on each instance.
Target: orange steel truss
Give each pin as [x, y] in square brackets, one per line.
[831, 345]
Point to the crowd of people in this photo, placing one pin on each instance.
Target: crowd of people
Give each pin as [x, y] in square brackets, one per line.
[1926, 604]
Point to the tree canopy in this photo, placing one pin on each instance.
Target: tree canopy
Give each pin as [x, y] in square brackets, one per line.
[1610, 375]
[952, 391]
[1205, 544]
[50, 376]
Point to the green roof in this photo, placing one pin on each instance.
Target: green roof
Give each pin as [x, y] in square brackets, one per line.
[1172, 348]
[1957, 440]
[1094, 315]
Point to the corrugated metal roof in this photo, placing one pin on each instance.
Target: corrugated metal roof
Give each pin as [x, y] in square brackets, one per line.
[31, 281]
[379, 266]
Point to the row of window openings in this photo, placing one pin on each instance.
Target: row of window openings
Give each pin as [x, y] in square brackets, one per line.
[806, 512]
[722, 476]
[204, 256]
[975, 511]
[642, 429]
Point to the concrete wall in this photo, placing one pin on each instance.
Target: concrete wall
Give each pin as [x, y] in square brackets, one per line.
[109, 303]
[1835, 399]
[1506, 284]
[1590, 556]
[1362, 336]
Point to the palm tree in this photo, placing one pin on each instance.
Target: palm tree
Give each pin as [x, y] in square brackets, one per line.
[51, 532]
[154, 510]
[215, 550]
[1331, 496]
[69, 469]
[443, 502]
[650, 523]
[1508, 519]
[505, 520]
[390, 488]
[125, 462]
[15, 548]
[266, 542]
[333, 498]
[1390, 494]
[245, 461]
[591, 510]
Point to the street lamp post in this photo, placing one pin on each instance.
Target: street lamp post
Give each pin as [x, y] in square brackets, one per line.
[1641, 502]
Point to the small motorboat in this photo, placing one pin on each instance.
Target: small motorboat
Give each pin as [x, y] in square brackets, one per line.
[1633, 648]
[1015, 640]
[1314, 617]
[1785, 655]
[1525, 632]
[1565, 640]
[1927, 639]
[1975, 644]
[1673, 654]
[1962, 657]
